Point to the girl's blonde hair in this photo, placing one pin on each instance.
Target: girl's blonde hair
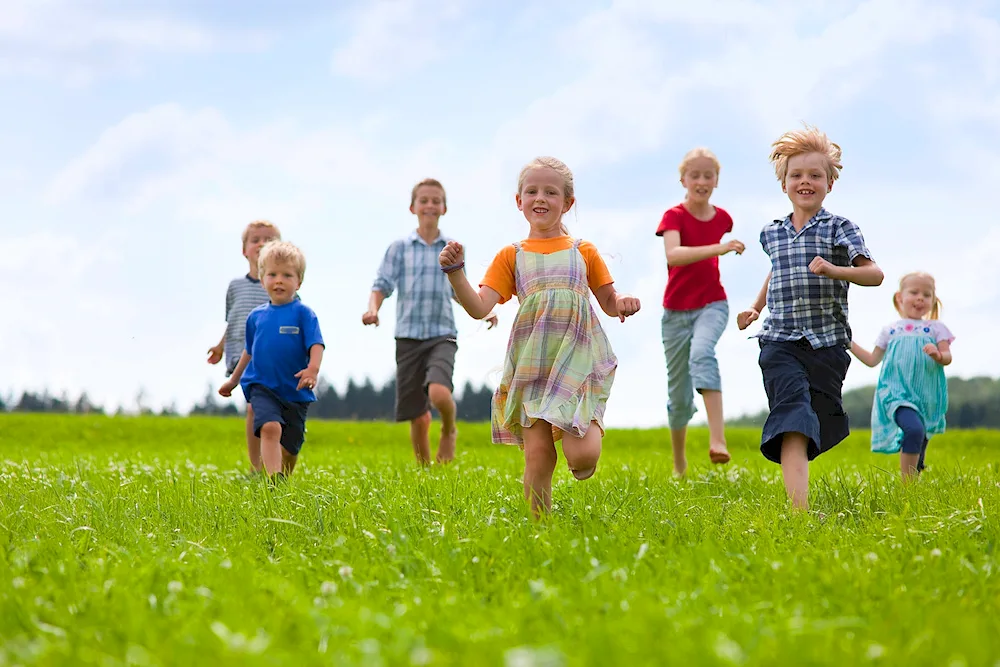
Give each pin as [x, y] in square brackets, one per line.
[696, 153]
[282, 252]
[799, 142]
[936, 305]
[557, 166]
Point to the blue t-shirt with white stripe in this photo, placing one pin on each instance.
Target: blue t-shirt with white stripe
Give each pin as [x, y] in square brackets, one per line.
[278, 339]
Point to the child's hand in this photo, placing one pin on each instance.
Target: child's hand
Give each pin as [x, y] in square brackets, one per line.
[821, 267]
[491, 320]
[307, 378]
[932, 351]
[215, 354]
[626, 306]
[452, 254]
[733, 246]
[748, 316]
[227, 389]
[370, 317]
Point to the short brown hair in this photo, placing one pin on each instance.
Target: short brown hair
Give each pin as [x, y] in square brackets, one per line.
[260, 224]
[428, 181]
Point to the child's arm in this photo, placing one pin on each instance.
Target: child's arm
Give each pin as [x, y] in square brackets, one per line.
[491, 320]
[744, 319]
[477, 304]
[216, 351]
[940, 353]
[680, 255]
[374, 303]
[309, 376]
[864, 272]
[615, 304]
[227, 388]
[869, 359]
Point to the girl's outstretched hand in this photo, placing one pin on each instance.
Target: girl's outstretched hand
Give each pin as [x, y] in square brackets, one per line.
[452, 254]
[626, 306]
[744, 319]
[932, 351]
[733, 246]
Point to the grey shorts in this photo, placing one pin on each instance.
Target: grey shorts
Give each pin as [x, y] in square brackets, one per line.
[418, 364]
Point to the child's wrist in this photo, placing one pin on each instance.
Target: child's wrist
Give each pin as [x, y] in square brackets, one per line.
[451, 268]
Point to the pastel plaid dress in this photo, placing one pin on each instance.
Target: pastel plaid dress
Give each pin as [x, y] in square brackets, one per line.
[559, 365]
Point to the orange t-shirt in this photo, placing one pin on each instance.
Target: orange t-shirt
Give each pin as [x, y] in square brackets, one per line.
[500, 274]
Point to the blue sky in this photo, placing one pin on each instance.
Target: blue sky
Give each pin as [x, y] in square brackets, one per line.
[139, 139]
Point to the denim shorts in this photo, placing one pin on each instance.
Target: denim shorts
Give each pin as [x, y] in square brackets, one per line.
[803, 388]
[269, 407]
[689, 339]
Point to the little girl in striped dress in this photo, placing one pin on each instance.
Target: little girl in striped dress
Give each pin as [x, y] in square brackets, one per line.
[559, 365]
[911, 397]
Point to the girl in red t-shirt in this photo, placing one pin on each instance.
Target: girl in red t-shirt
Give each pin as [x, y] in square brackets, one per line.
[695, 310]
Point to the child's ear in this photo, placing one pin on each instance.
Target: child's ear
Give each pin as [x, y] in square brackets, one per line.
[517, 198]
[569, 204]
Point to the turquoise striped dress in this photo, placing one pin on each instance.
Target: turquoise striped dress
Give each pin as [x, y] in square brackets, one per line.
[909, 378]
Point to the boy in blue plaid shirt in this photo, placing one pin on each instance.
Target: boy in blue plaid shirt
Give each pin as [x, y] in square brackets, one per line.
[426, 336]
[803, 342]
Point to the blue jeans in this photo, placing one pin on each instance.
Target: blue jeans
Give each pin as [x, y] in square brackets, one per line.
[689, 338]
[914, 436]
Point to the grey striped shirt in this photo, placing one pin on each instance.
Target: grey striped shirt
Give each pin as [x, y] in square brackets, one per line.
[244, 294]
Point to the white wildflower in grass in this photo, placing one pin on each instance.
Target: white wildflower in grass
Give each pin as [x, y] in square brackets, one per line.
[346, 571]
[175, 587]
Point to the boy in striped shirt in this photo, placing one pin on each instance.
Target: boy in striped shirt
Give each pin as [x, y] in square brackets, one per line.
[244, 294]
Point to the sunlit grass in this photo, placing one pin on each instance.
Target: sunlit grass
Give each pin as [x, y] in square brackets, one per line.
[142, 541]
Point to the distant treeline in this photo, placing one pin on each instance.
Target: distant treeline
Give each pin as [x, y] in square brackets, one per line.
[972, 403]
[361, 402]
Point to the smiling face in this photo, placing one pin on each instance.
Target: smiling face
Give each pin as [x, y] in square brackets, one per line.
[543, 201]
[808, 181]
[428, 204]
[915, 297]
[700, 179]
[281, 280]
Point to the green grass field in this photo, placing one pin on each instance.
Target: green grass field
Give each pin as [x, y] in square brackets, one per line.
[140, 541]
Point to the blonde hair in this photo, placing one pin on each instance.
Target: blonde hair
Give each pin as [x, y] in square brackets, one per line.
[696, 153]
[558, 166]
[800, 142]
[936, 305]
[282, 252]
[260, 224]
[428, 181]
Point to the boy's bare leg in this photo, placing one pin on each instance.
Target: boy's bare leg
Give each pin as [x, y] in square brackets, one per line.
[678, 440]
[583, 453]
[717, 450]
[287, 462]
[253, 442]
[795, 468]
[270, 447]
[539, 463]
[420, 437]
[442, 399]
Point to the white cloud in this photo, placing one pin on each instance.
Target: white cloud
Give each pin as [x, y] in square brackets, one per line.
[392, 37]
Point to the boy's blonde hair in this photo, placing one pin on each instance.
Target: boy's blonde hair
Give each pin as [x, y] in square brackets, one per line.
[799, 142]
[558, 166]
[696, 153]
[260, 224]
[282, 252]
[428, 181]
[936, 306]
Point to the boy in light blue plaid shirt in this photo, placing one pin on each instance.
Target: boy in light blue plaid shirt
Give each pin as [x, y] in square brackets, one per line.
[426, 336]
[814, 255]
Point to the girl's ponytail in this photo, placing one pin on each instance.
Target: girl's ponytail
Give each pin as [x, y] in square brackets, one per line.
[935, 309]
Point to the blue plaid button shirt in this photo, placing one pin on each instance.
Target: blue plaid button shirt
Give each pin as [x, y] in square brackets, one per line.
[424, 303]
[801, 304]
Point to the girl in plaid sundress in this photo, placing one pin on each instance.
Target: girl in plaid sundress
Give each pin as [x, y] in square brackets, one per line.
[559, 365]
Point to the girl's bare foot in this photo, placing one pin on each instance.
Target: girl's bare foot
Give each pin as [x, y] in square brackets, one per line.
[718, 453]
[584, 474]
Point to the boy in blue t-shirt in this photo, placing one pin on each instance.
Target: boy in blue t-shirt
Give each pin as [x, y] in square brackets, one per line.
[279, 366]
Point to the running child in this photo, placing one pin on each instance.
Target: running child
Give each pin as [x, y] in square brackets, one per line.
[243, 295]
[285, 346]
[559, 365]
[695, 308]
[815, 255]
[426, 336]
[911, 397]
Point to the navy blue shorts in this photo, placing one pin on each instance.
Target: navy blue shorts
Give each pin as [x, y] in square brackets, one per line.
[803, 388]
[269, 407]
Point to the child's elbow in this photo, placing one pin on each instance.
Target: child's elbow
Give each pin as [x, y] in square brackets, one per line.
[877, 276]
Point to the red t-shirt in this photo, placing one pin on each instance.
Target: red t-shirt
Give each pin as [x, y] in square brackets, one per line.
[694, 285]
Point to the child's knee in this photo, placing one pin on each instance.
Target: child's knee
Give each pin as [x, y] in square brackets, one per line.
[439, 394]
[270, 430]
[423, 420]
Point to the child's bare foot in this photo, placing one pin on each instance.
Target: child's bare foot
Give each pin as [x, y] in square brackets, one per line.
[680, 473]
[586, 473]
[718, 453]
[446, 448]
